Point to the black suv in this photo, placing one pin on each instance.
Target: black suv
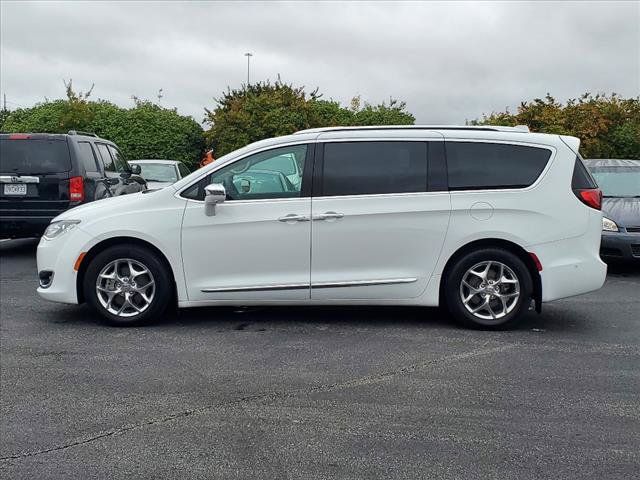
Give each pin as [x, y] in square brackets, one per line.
[43, 174]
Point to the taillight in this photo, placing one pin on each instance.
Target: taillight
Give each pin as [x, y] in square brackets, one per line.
[76, 189]
[18, 136]
[592, 197]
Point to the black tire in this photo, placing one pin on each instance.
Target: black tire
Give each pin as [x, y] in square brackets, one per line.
[453, 290]
[163, 294]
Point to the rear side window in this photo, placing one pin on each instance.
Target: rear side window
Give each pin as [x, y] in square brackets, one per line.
[476, 165]
[88, 157]
[107, 161]
[361, 168]
[34, 156]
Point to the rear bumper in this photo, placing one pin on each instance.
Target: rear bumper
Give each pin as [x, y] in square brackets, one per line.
[24, 226]
[620, 246]
[571, 266]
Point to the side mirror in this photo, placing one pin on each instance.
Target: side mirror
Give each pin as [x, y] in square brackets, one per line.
[135, 169]
[213, 195]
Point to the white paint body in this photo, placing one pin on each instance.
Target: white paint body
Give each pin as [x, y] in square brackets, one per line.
[391, 248]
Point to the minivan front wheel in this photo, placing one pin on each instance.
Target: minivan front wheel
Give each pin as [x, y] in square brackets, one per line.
[127, 285]
[489, 288]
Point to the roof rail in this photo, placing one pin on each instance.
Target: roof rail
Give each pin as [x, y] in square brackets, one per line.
[481, 128]
[79, 132]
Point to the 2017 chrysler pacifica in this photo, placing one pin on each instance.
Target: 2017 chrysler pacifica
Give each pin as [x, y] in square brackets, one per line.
[484, 220]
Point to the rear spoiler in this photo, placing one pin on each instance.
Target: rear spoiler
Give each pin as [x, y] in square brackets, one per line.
[572, 142]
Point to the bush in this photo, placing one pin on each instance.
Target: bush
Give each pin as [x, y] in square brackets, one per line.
[143, 131]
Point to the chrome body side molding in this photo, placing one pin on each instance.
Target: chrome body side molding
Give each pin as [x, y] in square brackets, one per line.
[287, 286]
[363, 283]
[300, 286]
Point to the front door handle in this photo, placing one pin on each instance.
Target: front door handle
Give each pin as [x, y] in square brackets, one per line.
[292, 217]
[329, 216]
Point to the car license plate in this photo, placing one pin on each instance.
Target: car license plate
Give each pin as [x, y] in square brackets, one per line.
[15, 189]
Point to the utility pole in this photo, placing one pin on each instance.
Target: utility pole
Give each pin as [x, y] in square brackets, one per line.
[248, 55]
[4, 103]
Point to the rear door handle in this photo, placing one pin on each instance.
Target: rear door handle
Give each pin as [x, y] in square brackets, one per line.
[329, 216]
[292, 217]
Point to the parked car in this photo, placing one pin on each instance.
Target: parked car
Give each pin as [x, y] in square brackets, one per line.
[620, 184]
[488, 221]
[43, 175]
[161, 173]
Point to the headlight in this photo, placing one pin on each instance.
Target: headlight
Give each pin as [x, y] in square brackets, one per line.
[56, 229]
[609, 225]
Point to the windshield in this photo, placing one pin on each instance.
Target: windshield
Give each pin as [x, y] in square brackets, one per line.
[34, 156]
[618, 181]
[158, 172]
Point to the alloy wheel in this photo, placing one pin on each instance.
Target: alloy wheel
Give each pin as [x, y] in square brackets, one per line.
[125, 287]
[490, 290]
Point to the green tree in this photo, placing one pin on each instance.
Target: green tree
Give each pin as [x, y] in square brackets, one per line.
[4, 114]
[266, 109]
[607, 125]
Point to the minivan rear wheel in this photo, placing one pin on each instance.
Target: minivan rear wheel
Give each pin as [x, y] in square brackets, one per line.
[128, 285]
[489, 288]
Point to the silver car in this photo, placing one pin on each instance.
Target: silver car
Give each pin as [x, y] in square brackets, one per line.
[161, 173]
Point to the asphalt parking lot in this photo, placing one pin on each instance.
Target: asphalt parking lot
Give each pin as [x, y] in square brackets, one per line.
[318, 393]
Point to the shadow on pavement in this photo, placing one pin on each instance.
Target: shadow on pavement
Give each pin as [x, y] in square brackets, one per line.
[22, 247]
[623, 268]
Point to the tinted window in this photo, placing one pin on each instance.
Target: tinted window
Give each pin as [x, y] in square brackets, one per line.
[258, 176]
[581, 180]
[107, 161]
[34, 156]
[87, 156]
[360, 168]
[120, 162]
[184, 171]
[475, 165]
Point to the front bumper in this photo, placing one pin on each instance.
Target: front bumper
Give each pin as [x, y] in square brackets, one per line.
[58, 256]
[620, 246]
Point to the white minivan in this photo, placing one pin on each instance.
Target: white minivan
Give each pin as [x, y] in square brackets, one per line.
[487, 221]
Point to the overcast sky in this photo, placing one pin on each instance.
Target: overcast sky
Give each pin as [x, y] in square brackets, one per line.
[448, 61]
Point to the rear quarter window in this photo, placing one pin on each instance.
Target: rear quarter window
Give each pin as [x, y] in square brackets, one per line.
[479, 165]
[582, 179]
[34, 156]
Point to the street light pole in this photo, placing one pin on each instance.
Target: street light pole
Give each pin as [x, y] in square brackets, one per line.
[248, 55]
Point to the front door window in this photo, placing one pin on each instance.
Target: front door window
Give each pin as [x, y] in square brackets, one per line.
[271, 174]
